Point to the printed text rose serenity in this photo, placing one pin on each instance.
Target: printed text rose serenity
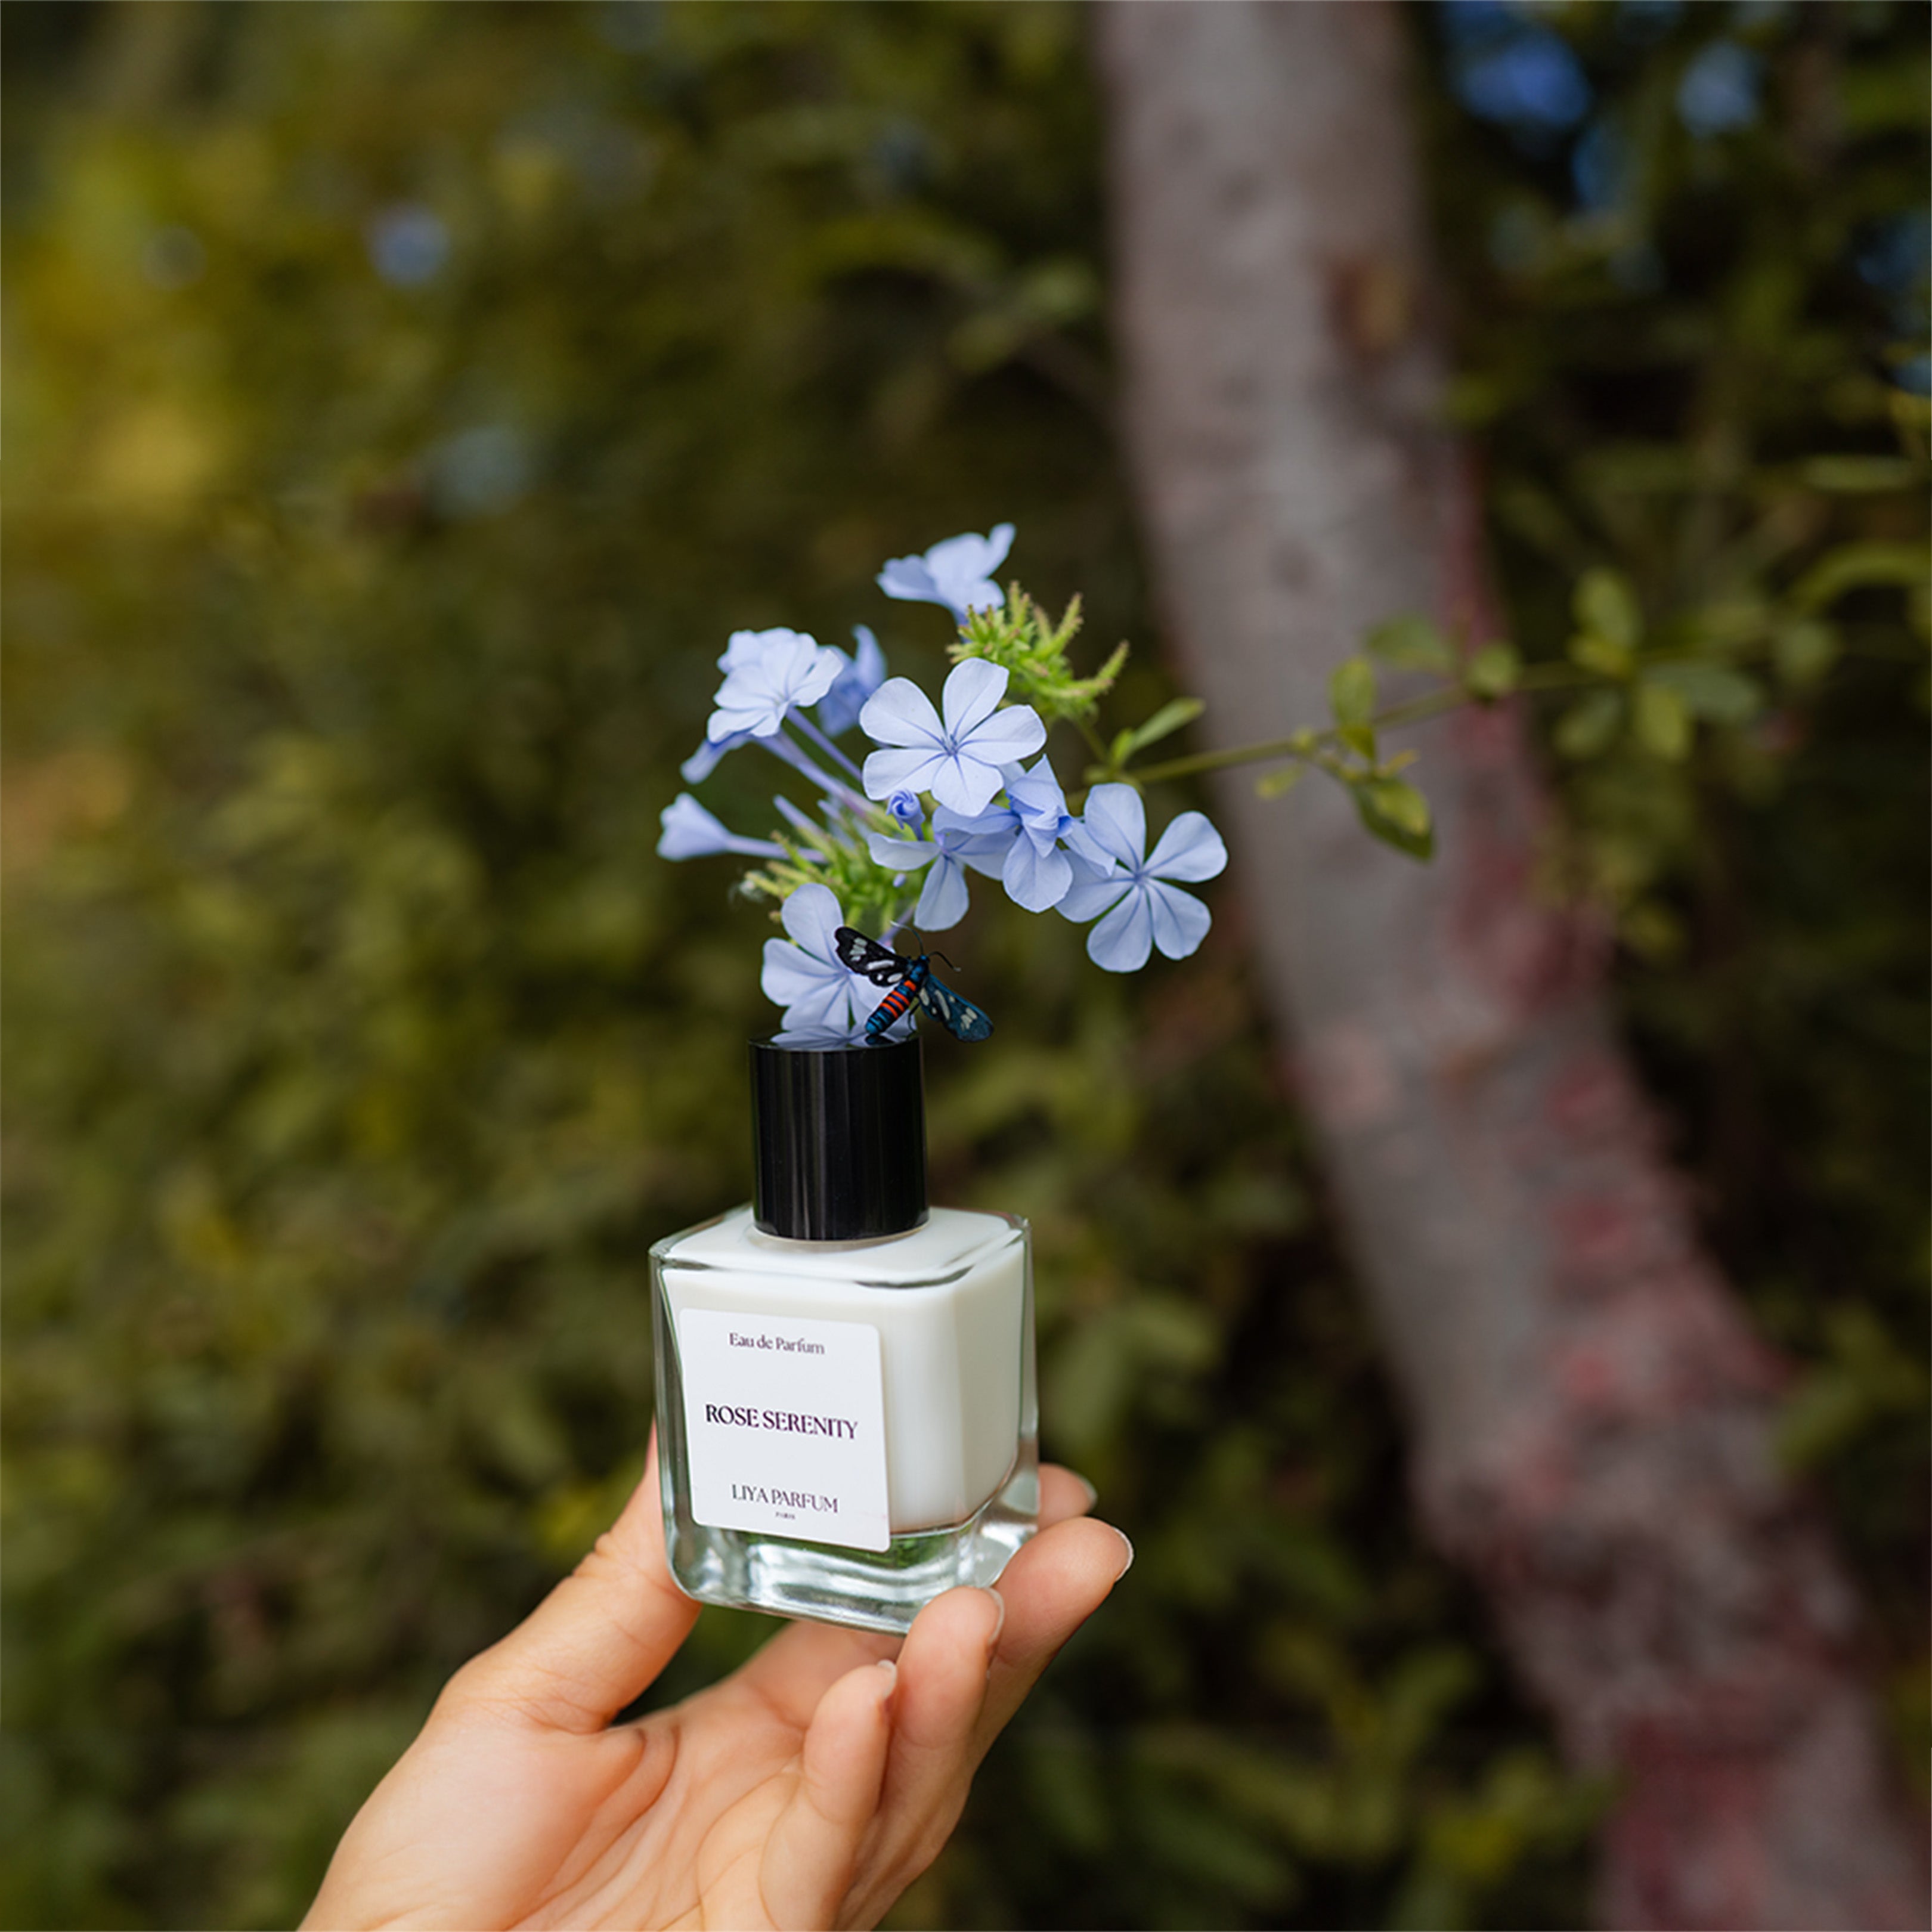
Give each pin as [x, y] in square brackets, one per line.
[785, 1421]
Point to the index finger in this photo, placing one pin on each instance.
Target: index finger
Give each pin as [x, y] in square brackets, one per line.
[599, 1639]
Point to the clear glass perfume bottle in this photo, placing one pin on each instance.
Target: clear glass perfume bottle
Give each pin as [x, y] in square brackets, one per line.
[847, 1421]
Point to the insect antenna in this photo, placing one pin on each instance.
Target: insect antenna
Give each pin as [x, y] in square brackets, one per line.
[926, 946]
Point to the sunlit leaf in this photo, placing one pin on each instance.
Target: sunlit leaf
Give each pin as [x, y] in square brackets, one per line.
[1352, 690]
[1397, 814]
[1805, 651]
[1661, 720]
[1606, 607]
[1411, 643]
[1590, 725]
[1602, 655]
[1494, 670]
[1169, 719]
[1860, 566]
[1714, 692]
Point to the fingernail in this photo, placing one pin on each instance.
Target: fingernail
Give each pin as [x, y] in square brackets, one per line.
[1127, 1562]
[999, 1617]
[1093, 1494]
[892, 1671]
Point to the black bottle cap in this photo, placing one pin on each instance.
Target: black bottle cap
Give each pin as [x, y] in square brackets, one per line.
[837, 1137]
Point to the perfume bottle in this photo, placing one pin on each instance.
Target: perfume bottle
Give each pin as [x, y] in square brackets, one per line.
[846, 1422]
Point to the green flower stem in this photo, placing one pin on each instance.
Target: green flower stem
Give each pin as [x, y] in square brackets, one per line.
[1308, 744]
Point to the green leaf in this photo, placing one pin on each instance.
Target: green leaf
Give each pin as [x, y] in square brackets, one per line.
[1805, 650]
[1169, 719]
[1493, 671]
[1278, 784]
[1661, 720]
[1411, 643]
[1358, 738]
[1723, 624]
[1856, 567]
[1397, 814]
[1714, 692]
[1600, 655]
[1606, 607]
[1867, 1378]
[1589, 725]
[1351, 690]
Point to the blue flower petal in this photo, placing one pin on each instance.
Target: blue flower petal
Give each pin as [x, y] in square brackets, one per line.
[1180, 921]
[811, 916]
[1190, 848]
[908, 577]
[957, 573]
[1035, 881]
[899, 713]
[1123, 941]
[971, 695]
[806, 975]
[1095, 888]
[690, 832]
[943, 903]
[900, 855]
[703, 761]
[913, 770]
[1116, 819]
[770, 673]
[860, 677]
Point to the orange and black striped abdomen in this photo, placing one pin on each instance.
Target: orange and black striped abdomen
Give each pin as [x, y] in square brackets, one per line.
[901, 996]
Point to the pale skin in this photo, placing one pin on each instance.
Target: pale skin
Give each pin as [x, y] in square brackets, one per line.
[807, 1790]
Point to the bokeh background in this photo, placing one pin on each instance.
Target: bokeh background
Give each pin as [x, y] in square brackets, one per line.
[403, 401]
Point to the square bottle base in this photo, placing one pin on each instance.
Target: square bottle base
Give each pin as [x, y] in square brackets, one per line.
[746, 1571]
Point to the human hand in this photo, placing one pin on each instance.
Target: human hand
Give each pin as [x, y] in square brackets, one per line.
[808, 1788]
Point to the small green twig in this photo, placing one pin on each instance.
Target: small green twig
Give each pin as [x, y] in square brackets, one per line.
[1309, 742]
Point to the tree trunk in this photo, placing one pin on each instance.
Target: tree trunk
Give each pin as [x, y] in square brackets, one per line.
[1592, 1412]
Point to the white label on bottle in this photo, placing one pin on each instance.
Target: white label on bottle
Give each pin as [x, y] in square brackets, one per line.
[785, 1426]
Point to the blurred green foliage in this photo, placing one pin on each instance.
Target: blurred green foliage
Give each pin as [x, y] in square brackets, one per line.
[404, 403]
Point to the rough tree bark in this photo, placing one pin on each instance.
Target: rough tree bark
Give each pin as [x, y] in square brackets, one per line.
[1592, 1412]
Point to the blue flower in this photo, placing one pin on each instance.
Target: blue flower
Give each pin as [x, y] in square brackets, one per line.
[1718, 91]
[1142, 909]
[904, 806]
[958, 760]
[767, 674]
[958, 573]
[1529, 78]
[1036, 873]
[805, 974]
[408, 244]
[690, 832]
[957, 842]
[860, 676]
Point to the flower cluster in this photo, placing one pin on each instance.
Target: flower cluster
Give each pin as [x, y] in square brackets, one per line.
[947, 792]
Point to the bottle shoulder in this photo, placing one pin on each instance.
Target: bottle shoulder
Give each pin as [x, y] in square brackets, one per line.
[950, 1242]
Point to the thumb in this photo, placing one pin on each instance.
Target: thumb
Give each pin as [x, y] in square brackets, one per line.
[599, 1639]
